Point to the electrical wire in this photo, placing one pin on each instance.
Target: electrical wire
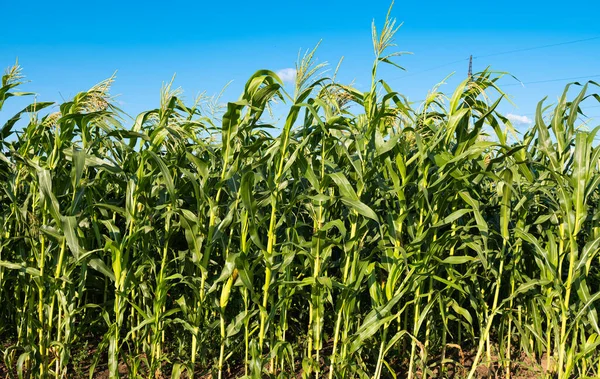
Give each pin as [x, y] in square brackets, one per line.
[551, 80]
[495, 54]
[534, 48]
[432, 68]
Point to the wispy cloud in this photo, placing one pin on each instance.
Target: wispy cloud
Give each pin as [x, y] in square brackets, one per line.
[519, 120]
[288, 75]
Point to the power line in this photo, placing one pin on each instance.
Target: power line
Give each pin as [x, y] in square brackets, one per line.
[494, 54]
[551, 80]
[535, 47]
[432, 68]
[584, 108]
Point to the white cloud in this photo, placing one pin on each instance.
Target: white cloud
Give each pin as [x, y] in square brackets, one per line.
[287, 75]
[519, 120]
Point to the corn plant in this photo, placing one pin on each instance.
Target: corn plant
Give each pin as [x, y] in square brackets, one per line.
[360, 236]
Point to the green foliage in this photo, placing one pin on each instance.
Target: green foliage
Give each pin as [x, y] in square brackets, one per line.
[368, 238]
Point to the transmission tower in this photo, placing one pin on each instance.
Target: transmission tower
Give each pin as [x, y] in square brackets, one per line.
[470, 67]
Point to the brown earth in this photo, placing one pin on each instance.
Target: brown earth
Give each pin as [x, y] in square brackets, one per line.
[522, 368]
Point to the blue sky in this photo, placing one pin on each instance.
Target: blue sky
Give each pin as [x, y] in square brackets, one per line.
[66, 47]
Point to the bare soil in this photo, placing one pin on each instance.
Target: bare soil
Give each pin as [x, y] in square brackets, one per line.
[523, 367]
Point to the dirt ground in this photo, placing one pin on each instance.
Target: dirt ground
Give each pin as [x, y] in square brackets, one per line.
[522, 368]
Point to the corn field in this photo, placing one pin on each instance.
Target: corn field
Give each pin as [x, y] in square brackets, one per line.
[362, 237]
